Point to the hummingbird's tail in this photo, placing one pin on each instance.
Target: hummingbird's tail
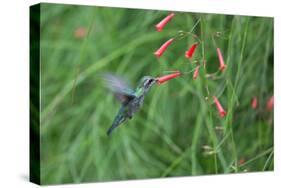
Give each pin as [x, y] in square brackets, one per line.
[117, 121]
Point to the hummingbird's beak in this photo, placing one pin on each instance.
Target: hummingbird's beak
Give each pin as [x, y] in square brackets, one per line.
[157, 80]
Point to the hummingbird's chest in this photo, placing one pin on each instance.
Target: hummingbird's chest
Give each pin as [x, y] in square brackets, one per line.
[135, 104]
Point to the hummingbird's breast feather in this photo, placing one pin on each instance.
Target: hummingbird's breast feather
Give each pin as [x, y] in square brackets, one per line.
[135, 104]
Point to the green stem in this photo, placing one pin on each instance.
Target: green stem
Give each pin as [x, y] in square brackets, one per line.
[231, 104]
[267, 161]
[82, 56]
[257, 157]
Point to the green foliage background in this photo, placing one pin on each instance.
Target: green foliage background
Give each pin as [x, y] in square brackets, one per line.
[166, 136]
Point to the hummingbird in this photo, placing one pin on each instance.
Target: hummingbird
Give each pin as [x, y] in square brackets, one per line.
[131, 99]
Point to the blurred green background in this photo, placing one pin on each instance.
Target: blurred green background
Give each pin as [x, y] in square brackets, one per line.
[178, 131]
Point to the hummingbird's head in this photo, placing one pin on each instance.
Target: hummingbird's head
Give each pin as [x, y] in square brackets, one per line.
[146, 82]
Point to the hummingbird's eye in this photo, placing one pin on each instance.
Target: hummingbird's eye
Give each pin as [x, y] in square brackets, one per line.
[150, 81]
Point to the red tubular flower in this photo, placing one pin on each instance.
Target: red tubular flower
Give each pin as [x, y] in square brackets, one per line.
[159, 27]
[222, 112]
[163, 48]
[80, 32]
[241, 161]
[270, 103]
[222, 65]
[162, 79]
[196, 72]
[190, 51]
[254, 102]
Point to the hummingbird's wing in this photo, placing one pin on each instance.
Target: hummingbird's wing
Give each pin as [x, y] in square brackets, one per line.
[119, 87]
